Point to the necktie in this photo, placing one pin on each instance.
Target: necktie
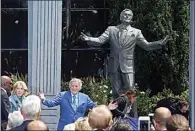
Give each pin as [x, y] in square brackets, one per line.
[74, 100]
[74, 103]
[122, 36]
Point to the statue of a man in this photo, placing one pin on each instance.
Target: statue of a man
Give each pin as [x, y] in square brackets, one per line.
[122, 39]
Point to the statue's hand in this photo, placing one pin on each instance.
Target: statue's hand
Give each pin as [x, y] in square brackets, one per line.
[84, 37]
[165, 40]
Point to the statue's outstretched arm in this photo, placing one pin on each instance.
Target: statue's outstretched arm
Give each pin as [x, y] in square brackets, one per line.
[96, 41]
[143, 43]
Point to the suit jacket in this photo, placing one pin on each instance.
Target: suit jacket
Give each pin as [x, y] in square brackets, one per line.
[122, 47]
[5, 109]
[15, 102]
[67, 113]
[123, 103]
[21, 127]
[173, 105]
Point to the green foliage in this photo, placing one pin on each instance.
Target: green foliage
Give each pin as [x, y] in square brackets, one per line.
[156, 18]
[18, 77]
[146, 102]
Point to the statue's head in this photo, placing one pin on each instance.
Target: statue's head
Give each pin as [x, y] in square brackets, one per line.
[126, 16]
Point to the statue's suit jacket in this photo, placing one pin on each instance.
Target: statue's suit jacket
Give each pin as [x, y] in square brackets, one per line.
[67, 113]
[122, 47]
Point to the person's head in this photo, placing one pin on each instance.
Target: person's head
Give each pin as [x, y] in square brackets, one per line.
[131, 94]
[37, 125]
[161, 115]
[126, 16]
[177, 122]
[121, 126]
[31, 107]
[82, 124]
[100, 117]
[183, 106]
[14, 119]
[6, 82]
[19, 88]
[75, 85]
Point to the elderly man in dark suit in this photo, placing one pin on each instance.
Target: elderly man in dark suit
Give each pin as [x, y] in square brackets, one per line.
[123, 38]
[5, 104]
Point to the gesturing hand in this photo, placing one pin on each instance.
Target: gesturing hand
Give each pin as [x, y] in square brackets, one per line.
[84, 37]
[41, 96]
[165, 40]
[112, 106]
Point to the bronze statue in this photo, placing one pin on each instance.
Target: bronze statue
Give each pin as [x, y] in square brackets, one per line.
[122, 39]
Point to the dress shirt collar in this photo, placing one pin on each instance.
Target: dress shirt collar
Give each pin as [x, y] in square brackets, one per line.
[74, 94]
[3, 89]
[124, 27]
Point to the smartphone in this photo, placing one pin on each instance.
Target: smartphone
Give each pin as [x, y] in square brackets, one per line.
[144, 123]
[151, 115]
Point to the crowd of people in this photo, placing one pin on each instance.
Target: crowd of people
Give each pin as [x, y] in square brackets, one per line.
[21, 110]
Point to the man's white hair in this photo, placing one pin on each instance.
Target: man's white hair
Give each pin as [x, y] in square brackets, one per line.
[31, 106]
[75, 80]
[15, 119]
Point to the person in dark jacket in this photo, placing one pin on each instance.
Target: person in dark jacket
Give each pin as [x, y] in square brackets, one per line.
[5, 104]
[122, 106]
[175, 105]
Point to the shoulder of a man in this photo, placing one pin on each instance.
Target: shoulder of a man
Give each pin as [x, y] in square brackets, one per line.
[22, 126]
[18, 128]
[136, 30]
[121, 99]
[111, 27]
[63, 92]
[83, 94]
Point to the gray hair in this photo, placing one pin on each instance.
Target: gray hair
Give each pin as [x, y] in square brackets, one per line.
[15, 119]
[31, 106]
[121, 14]
[69, 127]
[75, 80]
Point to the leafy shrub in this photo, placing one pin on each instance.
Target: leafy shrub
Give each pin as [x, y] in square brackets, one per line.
[147, 103]
[18, 77]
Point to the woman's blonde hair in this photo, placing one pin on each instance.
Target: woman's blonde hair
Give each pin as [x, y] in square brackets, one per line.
[82, 124]
[100, 117]
[20, 83]
[177, 122]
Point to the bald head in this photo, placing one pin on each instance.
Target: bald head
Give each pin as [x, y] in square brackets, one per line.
[37, 125]
[5, 82]
[161, 115]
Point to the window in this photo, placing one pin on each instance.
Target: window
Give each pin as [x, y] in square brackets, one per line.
[14, 36]
[91, 17]
[78, 59]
